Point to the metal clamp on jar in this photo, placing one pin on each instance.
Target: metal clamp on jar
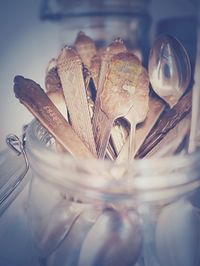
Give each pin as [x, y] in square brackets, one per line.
[16, 243]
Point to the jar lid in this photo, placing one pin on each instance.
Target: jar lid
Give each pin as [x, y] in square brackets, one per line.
[13, 171]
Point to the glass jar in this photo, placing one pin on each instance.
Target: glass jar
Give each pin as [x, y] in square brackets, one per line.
[92, 212]
[16, 245]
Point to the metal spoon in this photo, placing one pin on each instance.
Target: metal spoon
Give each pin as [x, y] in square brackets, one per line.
[115, 239]
[116, 97]
[85, 47]
[33, 97]
[138, 112]
[169, 69]
[169, 73]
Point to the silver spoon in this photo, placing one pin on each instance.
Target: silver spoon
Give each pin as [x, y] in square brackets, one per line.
[115, 239]
[169, 69]
[169, 73]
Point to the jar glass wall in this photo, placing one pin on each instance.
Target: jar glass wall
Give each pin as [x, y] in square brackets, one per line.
[108, 214]
[16, 245]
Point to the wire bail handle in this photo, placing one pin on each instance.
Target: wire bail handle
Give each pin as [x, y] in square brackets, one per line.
[17, 146]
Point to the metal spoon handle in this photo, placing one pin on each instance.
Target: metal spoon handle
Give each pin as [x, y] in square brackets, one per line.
[70, 72]
[195, 128]
[102, 132]
[173, 141]
[156, 107]
[132, 140]
[167, 122]
[37, 102]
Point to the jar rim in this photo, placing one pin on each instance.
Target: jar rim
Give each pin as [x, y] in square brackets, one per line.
[142, 178]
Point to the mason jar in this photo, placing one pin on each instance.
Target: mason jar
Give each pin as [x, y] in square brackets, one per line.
[16, 244]
[93, 212]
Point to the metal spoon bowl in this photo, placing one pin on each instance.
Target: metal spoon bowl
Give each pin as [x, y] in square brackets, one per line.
[169, 69]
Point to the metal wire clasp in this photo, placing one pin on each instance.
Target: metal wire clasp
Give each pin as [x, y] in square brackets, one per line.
[17, 146]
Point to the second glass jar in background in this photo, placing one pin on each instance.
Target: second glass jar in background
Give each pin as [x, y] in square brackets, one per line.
[103, 21]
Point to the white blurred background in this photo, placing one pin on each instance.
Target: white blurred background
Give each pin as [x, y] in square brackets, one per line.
[27, 44]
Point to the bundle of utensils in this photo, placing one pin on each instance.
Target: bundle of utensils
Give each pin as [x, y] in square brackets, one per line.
[99, 102]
